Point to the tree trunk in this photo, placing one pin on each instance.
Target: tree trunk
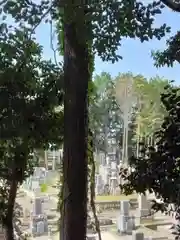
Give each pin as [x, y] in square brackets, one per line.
[45, 160]
[92, 184]
[10, 210]
[76, 76]
[127, 145]
[124, 143]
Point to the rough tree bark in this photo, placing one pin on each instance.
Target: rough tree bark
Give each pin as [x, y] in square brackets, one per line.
[11, 201]
[76, 76]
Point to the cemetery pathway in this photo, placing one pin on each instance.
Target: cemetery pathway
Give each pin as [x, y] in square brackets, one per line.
[110, 236]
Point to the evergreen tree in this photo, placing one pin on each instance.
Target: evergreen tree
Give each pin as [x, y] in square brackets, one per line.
[30, 89]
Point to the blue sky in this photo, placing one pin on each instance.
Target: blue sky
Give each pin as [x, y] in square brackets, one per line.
[136, 56]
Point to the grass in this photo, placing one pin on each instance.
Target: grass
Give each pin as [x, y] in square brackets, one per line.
[115, 198]
[105, 198]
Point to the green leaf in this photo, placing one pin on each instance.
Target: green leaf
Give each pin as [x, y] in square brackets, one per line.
[44, 187]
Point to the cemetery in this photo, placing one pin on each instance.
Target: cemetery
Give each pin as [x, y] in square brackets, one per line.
[121, 216]
[36, 215]
[93, 85]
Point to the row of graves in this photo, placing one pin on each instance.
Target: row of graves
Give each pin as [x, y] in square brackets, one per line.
[38, 216]
[126, 223]
[107, 180]
[39, 177]
[143, 223]
[135, 221]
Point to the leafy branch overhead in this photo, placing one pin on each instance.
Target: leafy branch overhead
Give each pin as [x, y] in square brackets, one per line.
[173, 4]
[30, 91]
[32, 87]
[171, 54]
[105, 32]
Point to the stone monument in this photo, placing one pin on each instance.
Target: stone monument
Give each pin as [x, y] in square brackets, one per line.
[39, 222]
[124, 217]
[125, 223]
[143, 206]
[99, 184]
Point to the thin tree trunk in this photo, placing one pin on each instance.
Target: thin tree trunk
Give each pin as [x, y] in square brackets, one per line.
[10, 210]
[126, 152]
[92, 184]
[105, 140]
[138, 140]
[45, 160]
[124, 143]
[76, 76]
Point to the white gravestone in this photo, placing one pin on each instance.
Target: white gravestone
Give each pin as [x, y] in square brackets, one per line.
[40, 227]
[46, 224]
[124, 217]
[144, 208]
[113, 185]
[35, 187]
[122, 224]
[131, 224]
[99, 185]
[125, 207]
[104, 172]
[49, 233]
[33, 226]
[113, 166]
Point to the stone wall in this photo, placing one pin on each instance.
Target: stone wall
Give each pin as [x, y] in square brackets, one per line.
[107, 205]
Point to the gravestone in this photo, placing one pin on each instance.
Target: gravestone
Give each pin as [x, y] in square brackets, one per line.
[143, 206]
[104, 171]
[35, 186]
[126, 225]
[113, 185]
[99, 185]
[40, 174]
[125, 207]
[40, 227]
[49, 233]
[122, 222]
[37, 206]
[131, 224]
[33, 226]
[39, 222]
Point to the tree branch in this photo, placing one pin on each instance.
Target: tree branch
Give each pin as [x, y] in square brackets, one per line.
[172, 4]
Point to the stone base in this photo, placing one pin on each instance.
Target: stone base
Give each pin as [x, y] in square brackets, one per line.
[125, 224]
[146, 220]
